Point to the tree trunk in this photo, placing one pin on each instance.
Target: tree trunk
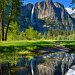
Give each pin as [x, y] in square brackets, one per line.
[2, 21]
[10, 18]
[2, 27]
[7, 30]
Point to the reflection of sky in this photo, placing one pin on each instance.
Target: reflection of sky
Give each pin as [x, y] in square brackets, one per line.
[66, 3]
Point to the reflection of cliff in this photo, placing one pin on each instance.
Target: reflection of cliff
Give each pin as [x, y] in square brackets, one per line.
[55, 64]
[46, 64]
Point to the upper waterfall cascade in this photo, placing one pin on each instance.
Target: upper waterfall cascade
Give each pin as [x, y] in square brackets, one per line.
[32, 15]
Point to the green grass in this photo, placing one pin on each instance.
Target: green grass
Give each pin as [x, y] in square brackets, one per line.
[22, 45]
[26, 45]
[10, 51]
[69, 44]
[24, 42]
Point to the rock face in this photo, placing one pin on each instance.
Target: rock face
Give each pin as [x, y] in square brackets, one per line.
[53, 11]
[45, 11]
[62, 15]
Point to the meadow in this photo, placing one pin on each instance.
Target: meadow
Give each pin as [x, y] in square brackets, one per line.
[11, 51]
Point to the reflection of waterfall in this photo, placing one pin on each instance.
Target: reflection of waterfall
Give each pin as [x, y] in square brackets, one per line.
[32, 70]
[44, 4]
[66, 28]
[32, 15]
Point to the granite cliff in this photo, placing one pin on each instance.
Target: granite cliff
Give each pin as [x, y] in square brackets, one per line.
[44, 14]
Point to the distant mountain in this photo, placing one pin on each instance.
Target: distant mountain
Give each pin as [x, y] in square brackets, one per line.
[43, 14]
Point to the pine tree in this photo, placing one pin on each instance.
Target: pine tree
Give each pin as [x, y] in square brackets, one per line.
[30, 33]
[14, 11]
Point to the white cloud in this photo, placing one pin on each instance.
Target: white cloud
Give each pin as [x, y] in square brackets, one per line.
[70, 11]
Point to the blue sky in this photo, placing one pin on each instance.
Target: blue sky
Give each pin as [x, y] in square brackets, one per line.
[66, 3]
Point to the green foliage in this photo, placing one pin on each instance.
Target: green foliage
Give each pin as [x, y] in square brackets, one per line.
[22, 35]
[13, 32]
[3, 4]
[29, 34]
[49, 34]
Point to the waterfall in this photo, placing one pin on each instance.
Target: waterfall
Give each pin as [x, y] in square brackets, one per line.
[32, 15]
[72, 27]
[32, 70]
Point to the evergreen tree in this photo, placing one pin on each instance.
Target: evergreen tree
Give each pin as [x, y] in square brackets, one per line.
[30, 33]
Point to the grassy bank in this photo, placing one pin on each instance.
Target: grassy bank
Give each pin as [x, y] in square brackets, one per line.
[23, 45]
[11, 51]
[26, 45]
